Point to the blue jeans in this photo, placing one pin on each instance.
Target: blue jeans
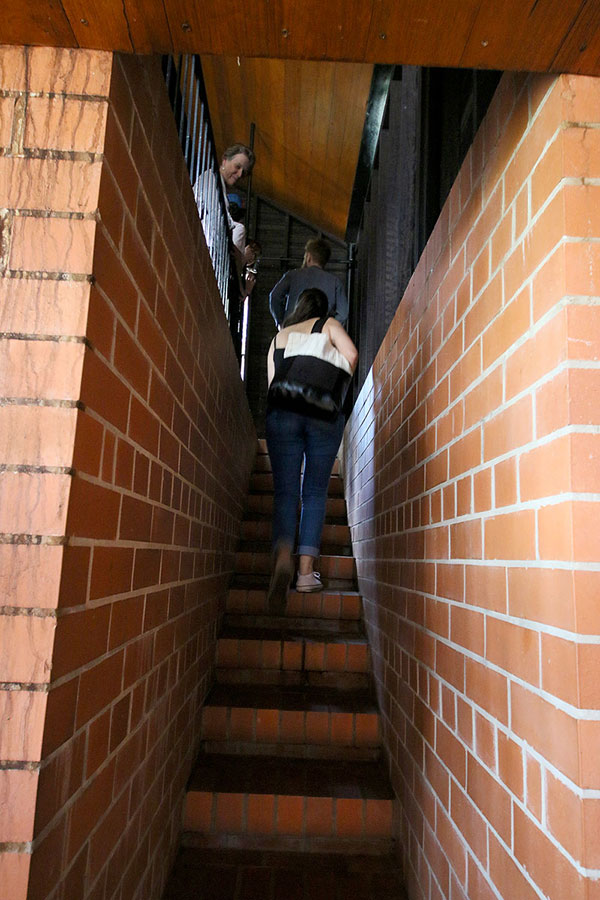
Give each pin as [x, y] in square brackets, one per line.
[292, 438]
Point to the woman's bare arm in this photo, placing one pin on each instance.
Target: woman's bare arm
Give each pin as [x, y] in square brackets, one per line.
[270, 363]
[342, 341]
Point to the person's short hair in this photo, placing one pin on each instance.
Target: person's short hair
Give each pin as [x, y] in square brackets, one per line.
[312, 304]
[245, 151]
[319, 250]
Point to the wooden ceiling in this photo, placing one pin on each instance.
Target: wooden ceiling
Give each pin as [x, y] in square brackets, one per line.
[309, 119]
[536, 35]
[305, 65]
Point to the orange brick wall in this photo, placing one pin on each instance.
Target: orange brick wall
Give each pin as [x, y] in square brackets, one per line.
[125, 449]
[472, 463]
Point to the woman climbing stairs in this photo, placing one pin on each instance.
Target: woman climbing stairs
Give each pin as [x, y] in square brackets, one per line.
[289, 799]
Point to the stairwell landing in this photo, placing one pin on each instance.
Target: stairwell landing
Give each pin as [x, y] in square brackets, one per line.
[289, 798]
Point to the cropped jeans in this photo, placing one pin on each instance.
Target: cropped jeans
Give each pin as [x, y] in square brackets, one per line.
[291, 439]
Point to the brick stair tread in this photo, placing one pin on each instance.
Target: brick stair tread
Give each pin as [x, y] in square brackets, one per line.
[236, 874]
[263, 503]
[250, 516]
[292, 698]
[327, 605]
[283, 776]
[262, 449]
[262, 523]
[259, 581]
[263, 558]
[281, 623]
[264, 547]
[262, 483]
[286, 633]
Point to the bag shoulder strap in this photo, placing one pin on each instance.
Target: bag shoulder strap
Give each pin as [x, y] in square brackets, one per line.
[318, 326]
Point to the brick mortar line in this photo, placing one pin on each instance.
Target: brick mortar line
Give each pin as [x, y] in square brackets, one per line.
[578, 714]
[565, 239]
[110, 599]
[561, 564]
[531, 332]
[541, 826]
[40, 401]
[87, 156]
[43, 275]
[535, 504]
[465, 844]
[110, 654]
[55, 95]
[17, 847]
[18, 765]
[99, 481]
[528, 392]
[36, 612]
[21, 213]
[54, 338]
[31, 687]
[585, 872]
[27, 540]
[578, 638]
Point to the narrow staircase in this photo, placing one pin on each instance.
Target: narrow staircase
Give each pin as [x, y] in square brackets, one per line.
[289, 799]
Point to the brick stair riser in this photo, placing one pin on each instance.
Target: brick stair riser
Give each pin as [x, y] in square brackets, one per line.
[262, 463]
[260, 530]
[320, 605]
[276, 623]
[260, 581]
[342, 681]
[294, 751]
[300, 655]
[274, 817]
[276, 875]
[342, 730]
[338, 567]
[262, 504]
[264, 547]
[290, 844]
[262, 483]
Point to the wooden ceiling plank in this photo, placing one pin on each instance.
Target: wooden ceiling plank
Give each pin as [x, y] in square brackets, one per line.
[531, 31]
[220, 102]
[580, 49]
[273, 110]
[285, 29]
[148, 26]
[101, 24]
[344, 138]
[538, 35]
[227, 27]
[307, 187]
[34, 22]
[337, 32]
[292, 138]
[325, 114]
[421, 32]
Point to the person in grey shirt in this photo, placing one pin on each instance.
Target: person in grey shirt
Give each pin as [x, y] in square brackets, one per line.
[285, 294]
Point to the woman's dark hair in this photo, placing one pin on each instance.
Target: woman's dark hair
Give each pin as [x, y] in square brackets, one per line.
[312, 304]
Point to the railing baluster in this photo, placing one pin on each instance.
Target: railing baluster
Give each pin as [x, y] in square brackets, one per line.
[182, 78]
[187, 97]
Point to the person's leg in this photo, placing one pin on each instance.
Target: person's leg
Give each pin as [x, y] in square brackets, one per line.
[285, 443]
[322, 443]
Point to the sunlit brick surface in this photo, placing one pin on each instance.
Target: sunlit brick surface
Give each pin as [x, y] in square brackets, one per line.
[477, 543]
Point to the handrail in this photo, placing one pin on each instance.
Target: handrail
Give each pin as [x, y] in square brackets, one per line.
[187, 96]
